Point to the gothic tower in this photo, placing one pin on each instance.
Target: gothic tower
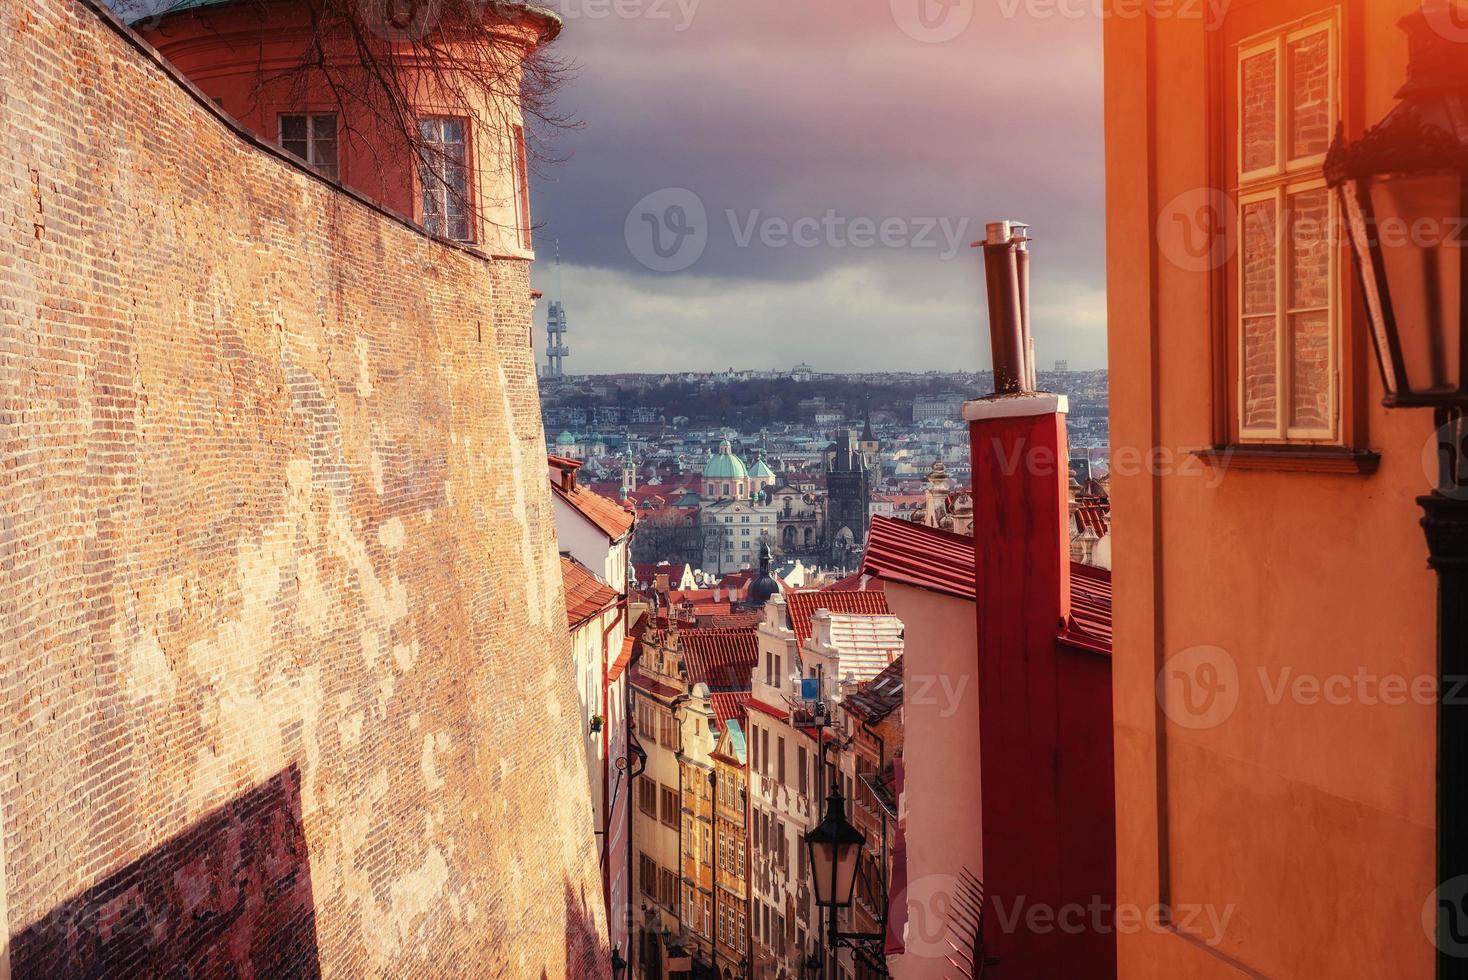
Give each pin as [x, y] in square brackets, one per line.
[848, 501]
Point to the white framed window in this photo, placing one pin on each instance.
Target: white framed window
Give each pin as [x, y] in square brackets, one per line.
[1286, 273]
[312, 136]
[444, 176]
[520, 172]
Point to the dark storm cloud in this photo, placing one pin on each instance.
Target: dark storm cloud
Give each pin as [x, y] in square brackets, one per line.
[799, 127]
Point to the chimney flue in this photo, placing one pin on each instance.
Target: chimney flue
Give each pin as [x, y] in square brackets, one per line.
[1007, 276]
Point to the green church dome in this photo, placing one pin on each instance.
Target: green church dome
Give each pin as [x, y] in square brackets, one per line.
[565, 439]
[725, 465]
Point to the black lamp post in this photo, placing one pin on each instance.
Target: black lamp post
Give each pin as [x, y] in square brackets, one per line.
[1404, 192]
[619, 965]
[834, 848]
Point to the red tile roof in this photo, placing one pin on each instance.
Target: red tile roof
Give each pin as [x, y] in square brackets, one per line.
[1090, 608]
[1093, 513]
[648, 572]
[615, 668]
[880, 696]
[756, 704]
[722, 659]
[856, 583]
[642, 682]
[920, 556]
[732, 621]
[609, 516]
[586, 595]
[803, 603]
[729, 706]
[924, 557]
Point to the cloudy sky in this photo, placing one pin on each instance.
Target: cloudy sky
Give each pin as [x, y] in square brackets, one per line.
[760, 182]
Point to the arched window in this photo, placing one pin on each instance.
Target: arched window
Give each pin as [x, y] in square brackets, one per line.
[810, 537]
[726, 489]
[790, 537]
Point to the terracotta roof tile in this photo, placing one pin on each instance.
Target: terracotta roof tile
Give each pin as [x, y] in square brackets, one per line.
[729, 706]
[802, 604]
[755, 704]
[920, 556]
[732, 621]
[1090, 608]
[610, 516]
[642, 682]
[722, 659]
[615, 668]
[586, 595]
[856, 583]
[880, 696]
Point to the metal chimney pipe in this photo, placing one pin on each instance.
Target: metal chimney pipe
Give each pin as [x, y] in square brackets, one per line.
[1006, 328]
[1021, 237]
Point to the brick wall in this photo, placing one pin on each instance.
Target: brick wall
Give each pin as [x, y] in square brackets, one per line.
[282, 643]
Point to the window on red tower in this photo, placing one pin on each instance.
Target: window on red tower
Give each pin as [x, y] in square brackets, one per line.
[312, 136]
[444, 176]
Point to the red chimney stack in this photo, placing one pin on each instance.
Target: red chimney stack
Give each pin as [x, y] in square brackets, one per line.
[1044, 710]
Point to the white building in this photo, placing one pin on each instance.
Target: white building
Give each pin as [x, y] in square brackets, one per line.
[595, 539]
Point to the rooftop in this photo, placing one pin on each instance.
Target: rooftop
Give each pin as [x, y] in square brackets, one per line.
[920, 556]
[722, 659]
[880, 696]
[609, 516]
[867, 644]
[802, 604]
[586, 595]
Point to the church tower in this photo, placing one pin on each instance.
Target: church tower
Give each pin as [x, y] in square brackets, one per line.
[869, 446]
[848, 501]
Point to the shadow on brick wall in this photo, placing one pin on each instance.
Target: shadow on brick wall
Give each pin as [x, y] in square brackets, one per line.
[585, 954]
[229, 897]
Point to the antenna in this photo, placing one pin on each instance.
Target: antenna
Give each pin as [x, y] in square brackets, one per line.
[556, 325]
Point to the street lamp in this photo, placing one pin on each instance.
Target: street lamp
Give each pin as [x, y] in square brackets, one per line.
[834, 847]
[619, 965]
[1404, 191]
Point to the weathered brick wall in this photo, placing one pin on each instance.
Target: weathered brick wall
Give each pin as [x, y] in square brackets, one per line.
[283, 685]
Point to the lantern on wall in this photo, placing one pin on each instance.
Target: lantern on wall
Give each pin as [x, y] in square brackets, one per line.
[1404, 193]
[834, 846]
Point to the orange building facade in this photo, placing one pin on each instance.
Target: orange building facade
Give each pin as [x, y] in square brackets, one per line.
[1274, 659]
